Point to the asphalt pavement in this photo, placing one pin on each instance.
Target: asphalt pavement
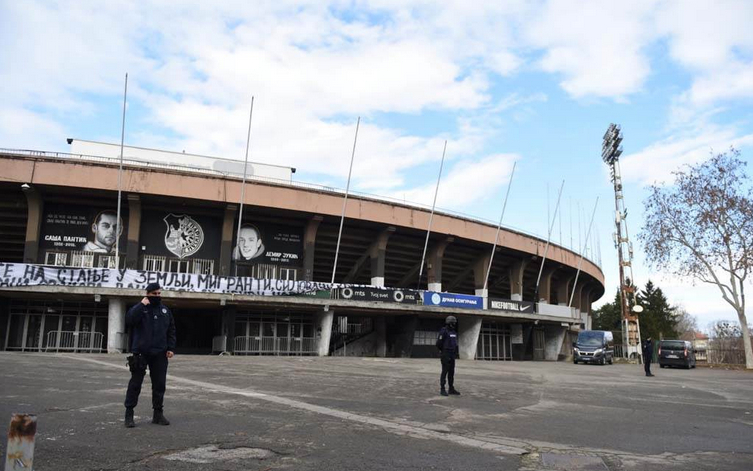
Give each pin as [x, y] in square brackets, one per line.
[332, 413]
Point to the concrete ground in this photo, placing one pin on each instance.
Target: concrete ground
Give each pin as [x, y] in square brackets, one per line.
[269, 413]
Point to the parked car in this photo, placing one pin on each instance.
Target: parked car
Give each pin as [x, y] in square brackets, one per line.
[676, 353]
[594, 346]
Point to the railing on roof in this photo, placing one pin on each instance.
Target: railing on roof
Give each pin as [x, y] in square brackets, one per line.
[275, 181]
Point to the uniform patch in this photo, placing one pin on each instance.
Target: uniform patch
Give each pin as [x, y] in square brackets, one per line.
[164, 311]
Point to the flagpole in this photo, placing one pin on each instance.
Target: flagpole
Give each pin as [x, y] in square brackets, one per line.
[580, 262]
[499, 226]
[119, 229]
[345, 202]
[548, 240]
[431, 217]
[243, 186]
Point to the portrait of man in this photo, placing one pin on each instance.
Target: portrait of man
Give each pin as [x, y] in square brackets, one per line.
[249, 244]
[105, 230]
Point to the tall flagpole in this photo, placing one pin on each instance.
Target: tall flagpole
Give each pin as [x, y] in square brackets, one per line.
[345, 202]
[499, 226]
[582, 250]
[548, 240]
[243, 186]
[119, 229]
[431, 217]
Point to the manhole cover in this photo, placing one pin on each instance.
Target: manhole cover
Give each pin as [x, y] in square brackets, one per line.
[212, 454]
[573, 462]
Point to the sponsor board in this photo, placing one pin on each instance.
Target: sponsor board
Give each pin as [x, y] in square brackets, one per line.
[462, 301]
[381, 295]
[510, 305]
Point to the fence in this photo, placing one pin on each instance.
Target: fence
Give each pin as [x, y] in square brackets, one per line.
[69, 341]
[714, 356]
[274, 346]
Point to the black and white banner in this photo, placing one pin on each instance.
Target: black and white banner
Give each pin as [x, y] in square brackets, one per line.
[14, 275]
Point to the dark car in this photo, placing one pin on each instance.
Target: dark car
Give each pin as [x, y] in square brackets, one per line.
[594, 346]
[676, 353]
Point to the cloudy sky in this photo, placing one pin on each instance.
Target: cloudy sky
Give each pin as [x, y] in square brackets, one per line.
[534, 82]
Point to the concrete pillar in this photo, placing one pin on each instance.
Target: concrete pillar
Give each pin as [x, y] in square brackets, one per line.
[309, 247]
[479, 274]
[553, 338]
[34, 209]
[323, 324]
[228, 326]
[381, 336]
[226, 245]
[469, 329]
[545, 286]
[563, 290]
[585, 300]
[577, 296]
[516, 279]
[116, 330]
[378, 253]
[134, 232]
[434, 264]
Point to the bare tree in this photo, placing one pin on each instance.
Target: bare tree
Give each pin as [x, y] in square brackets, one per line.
[687, 324]
[702, 228]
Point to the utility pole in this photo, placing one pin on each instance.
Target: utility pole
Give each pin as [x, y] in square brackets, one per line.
[631, 331]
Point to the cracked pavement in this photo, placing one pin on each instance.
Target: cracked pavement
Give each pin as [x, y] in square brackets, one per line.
[266, 413]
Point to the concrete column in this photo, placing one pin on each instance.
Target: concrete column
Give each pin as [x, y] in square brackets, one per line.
[563, 290]
[116, 330]
[381, 336]
[309, 247]
[228, 326]
[469, 329]
[545, 286]
[323, 323]
[378, 253]
[516, 279]
[34, 209]
[553, 338]
[434, 264]
[479, 274]
[585, 300]
[226, 245]
[576, 297]
[134, 232]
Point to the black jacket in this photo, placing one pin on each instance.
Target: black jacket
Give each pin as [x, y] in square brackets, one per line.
[152, 328]
[648, 350]
[447, 340]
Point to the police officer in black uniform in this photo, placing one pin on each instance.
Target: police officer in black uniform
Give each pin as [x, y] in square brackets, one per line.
[152, 344]
[447, 343]
[648, 355]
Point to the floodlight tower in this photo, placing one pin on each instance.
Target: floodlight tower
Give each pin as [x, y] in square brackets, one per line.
[631, 331]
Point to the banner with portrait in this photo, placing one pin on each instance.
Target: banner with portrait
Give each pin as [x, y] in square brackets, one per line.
[268, 243]
[180, 235]
[82, 228]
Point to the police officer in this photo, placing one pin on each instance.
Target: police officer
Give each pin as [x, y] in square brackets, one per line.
[648, 355]
[152, 344]
[447, 343]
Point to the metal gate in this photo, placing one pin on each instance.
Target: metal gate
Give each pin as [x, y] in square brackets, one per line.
[494, 342]
[274, 334]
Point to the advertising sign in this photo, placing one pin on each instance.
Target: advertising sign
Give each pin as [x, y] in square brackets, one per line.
[381, 295]
[181, 235]
[510, 305]
[269, 243]
[462, 301]
[66, 227]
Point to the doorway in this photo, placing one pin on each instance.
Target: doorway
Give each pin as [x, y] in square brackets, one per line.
[195, 330]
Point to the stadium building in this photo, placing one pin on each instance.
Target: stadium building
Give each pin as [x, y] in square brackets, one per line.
[265, 291]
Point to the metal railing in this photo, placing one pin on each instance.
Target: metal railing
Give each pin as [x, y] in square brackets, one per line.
[274, 346]
[276, 181]
[70, 341]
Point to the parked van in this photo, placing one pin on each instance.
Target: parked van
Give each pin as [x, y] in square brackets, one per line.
[676, 353]
[594, 346]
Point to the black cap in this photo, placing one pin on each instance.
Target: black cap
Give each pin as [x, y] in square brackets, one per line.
[152, 287]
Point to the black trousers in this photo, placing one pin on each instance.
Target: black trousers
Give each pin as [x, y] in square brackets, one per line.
[647, 365]
[448, 369]
[158, 373]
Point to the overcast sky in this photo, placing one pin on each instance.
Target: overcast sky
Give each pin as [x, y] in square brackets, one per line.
[536, 82]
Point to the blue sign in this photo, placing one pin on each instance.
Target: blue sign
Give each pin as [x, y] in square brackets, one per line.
[462, 301]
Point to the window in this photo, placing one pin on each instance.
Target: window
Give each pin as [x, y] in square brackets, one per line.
[154, 263]
[178, 266]
[288, 274]
[107, 261]
[57, 259]
[265, 271]
[203, 267]
[82, 259]
[424, 337]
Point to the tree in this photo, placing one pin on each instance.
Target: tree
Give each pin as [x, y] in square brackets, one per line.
[658, 317]
[609, 317]
[687, 324]
[702, 228]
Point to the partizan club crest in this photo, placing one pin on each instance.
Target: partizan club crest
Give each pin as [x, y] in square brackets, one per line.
[184, 236]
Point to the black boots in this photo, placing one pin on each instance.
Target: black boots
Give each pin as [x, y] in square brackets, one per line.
[454, 391]
[443, 392]
[129, 423]
[159, 418]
